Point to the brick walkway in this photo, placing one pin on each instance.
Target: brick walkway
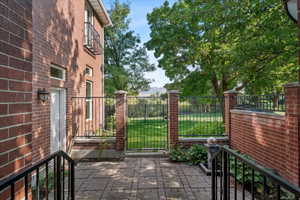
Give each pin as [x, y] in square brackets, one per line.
[141, 179]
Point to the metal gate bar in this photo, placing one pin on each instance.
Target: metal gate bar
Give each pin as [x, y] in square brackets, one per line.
[147, 125]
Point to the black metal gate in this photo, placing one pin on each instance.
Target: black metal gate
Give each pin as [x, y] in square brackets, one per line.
[147, 124]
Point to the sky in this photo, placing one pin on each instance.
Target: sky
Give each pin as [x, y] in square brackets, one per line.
[138, 16]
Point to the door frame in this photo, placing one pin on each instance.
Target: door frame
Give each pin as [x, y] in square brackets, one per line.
[63, 116]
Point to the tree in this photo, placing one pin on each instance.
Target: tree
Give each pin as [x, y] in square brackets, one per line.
[126, 58]
[208, 47]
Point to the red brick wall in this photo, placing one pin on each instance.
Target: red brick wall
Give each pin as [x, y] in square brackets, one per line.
[272, 140]
[15, 89]
[58, 39]
[262, 136]
[15, 86]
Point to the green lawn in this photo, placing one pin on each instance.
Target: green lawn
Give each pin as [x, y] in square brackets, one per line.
[151, 133]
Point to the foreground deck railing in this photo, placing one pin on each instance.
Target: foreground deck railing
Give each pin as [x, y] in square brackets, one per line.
[50, 177]
[265, 103]
[236, 177]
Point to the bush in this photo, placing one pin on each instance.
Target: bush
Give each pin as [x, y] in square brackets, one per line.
[178, 154]
[195, 155]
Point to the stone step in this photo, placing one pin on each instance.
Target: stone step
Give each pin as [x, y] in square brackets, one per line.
[147, 154]
[92, 155]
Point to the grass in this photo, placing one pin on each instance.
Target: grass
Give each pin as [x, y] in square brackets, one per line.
[151, 133]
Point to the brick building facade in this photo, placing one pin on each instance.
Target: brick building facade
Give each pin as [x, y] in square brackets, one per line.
[52, 45]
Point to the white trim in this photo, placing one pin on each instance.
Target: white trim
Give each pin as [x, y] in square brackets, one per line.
[100, 10]
[59, 68]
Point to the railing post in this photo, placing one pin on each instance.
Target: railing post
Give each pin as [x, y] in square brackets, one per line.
[225, 175]
[121, 119]
[58, 176]
[213, 179]
[230, 102]
[72, 181]
[173, 112]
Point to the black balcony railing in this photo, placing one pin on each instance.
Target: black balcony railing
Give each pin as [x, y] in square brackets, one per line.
[263, 103]
[234, 176]
[92, 39]
[94, 116]
[50, 177]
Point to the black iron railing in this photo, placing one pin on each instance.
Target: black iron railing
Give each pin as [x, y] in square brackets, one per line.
[201, 116]
[92, 39]
[235, 176]
[94, 116]
[263, 103]
[50, 177]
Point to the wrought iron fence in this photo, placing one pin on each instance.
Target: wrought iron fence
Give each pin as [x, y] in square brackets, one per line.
[94, 116]
[51, 177]
[235, 176]
[147, 123]
[264, 103]
[92, 39]
[201, 116]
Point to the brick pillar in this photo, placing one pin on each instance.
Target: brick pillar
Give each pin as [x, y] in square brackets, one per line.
[230, 102]
[121, 119]
[173, 97]
[292, 102]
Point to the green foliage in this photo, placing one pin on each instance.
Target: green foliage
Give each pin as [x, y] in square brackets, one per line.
[208, 47]
[179, 154]
[126, 59]
[195, 155]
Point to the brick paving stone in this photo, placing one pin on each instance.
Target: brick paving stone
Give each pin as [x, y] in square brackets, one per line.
[94, 184]
[147, 182]
[117, 195]
[88, 195]
[147, 194]
[176, 194]
[173, 182]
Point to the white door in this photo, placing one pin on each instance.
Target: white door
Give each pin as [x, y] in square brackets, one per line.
[58, 120]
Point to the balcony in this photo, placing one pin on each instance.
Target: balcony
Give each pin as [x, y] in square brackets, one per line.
[92, 39]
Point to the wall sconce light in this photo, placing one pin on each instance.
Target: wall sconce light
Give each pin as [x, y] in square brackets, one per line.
[43, 95]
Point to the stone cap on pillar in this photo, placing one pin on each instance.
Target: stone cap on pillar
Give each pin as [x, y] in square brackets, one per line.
[173, 92]
[290, 85]
[233, 91]
[120, 92]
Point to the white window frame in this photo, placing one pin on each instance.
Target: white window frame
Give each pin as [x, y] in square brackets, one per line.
[58, 68]
[90, 100]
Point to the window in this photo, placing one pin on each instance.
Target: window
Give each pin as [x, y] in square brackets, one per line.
[89, 100]
[89, 71]
[57, 72]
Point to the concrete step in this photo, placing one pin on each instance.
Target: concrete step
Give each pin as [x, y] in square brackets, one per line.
[147, 154]
[95, 155]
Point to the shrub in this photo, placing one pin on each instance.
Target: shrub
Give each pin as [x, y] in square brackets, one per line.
[179, 154]
[195, 155]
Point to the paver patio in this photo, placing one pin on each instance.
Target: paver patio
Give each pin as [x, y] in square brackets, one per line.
[141, 179]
